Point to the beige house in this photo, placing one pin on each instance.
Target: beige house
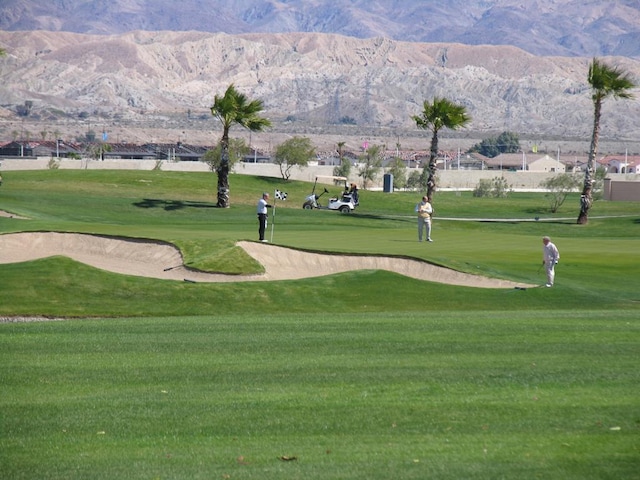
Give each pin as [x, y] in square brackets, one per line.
[531, 162]
[546, 164]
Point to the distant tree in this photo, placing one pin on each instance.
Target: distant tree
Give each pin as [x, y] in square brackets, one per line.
[487, 147]
[501, 188]
[24, 110]
[294, 152]
[506, 142]
[370, 165]
[558, 187]
[3, 52]
[413, 181]
[496, 187]
[97, 150]
[90, 136]
[436, 115]
[344, 169]
[234, 108]
[483, 188]
[346, 120]
[605, 81]
[398, 169]
[238, 148]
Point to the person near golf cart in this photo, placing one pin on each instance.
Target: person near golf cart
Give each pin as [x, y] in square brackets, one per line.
[550, 257]
[353, 192]
[263, 204]
[349, 195]
[345, 203]
[424, 210]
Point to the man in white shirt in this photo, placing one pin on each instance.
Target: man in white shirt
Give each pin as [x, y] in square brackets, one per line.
[550, 257]
[424, 210]
[263, 204]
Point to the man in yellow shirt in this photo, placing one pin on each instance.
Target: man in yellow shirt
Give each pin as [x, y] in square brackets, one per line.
[425, 210]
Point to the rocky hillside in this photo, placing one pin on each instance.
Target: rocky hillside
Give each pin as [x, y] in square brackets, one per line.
[542, 27]
[305, 80]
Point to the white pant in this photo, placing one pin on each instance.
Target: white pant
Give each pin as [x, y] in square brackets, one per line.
[422, 223]
[551, 272]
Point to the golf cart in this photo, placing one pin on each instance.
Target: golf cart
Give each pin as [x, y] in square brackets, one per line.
[345, 203]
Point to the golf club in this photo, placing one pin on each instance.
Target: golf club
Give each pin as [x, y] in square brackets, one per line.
[171, 268]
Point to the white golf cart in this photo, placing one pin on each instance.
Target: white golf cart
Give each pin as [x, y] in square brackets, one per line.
[345, 203]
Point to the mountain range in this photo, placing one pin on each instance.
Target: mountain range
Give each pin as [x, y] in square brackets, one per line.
[541, 27]
[309, 82]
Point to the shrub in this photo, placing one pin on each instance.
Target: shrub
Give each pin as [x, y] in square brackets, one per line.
[558, 188]
[497, 187]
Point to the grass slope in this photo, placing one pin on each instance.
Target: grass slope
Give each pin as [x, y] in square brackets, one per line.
[455, 394]
[362, 375]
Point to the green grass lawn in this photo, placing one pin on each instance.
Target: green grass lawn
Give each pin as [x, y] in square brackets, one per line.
[361, 375]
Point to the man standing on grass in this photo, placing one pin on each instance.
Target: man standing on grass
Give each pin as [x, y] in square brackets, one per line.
[263, 204]
[424, 210]
[550, 257]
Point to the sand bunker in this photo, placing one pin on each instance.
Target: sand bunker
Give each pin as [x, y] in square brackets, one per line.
[161, 260]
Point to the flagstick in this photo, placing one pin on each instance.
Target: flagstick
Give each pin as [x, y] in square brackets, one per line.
[273, 221]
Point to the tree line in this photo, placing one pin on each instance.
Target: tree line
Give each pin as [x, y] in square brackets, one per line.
[234, 108]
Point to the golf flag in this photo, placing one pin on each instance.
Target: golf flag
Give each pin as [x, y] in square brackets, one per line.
[278, 196]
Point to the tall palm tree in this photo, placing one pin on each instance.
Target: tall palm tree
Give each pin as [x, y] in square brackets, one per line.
[234, 108]
[605, 81]
[439, 114]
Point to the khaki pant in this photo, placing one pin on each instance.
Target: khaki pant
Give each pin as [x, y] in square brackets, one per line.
[424, 222]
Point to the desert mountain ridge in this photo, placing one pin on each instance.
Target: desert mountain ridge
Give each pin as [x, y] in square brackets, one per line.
[309, 82]
[541, 27]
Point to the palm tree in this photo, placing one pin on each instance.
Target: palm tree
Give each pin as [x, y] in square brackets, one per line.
[441, 113]
[234, 108]
[605, 82]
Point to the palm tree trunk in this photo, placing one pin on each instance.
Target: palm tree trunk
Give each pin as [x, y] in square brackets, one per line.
[586, 199]
[223, 174]
[433, 157]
